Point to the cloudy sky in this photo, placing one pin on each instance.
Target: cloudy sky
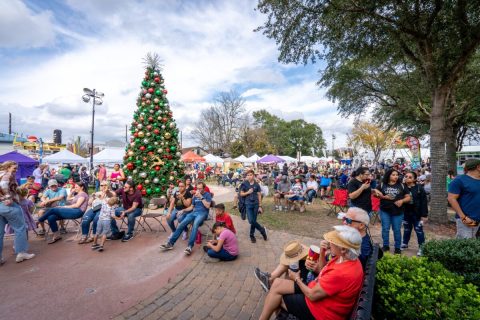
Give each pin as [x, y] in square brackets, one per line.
[50, 50]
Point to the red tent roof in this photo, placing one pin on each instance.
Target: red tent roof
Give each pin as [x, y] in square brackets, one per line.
[190, 156]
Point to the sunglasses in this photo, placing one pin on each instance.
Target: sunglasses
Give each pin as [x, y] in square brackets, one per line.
[349, 221]
[104, 185]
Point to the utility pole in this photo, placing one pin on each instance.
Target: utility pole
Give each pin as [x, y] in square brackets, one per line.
[126, 129]
[9, 123]
[333, 143]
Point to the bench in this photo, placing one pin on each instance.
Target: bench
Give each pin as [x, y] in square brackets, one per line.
[363, 308]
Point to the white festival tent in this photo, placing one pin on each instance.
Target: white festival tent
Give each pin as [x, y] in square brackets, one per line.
[241, 158]
[109, 155]
[64, 156]
[309, 159]
[252, 159]
[210, 158]
[288, 159]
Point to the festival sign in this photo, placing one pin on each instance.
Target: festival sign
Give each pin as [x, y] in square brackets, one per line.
[414, 146]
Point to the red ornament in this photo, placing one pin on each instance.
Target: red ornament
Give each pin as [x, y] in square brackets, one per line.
[157, 108]
[144, 99]
[170, 114]
[130, 166]
[169, 157]
[156, 131]
[144, 91]
[135, 134]
[139, 187]
[150, 90]
[142, 148]
[141, 119]
[168, 150]
[150, 119]
[144, 192]
[164, 119]
[157, 79]
[148, 102]
[149, 127]
[165, 91]
[157, 168]
[150, 153]
[145, 158]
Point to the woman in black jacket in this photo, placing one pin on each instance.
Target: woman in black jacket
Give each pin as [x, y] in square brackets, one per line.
[416, 212]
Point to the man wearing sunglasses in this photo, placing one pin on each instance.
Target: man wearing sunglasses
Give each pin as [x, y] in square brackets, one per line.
[359, 219]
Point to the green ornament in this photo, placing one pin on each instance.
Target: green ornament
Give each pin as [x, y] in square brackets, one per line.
[153, 173]
[158, 92]
[130, 158]
[173, 148]
[152, 74]
[157, 190]
[150, 148]
[164, 180]
[149, 191]
[138, 163]
[144, 83]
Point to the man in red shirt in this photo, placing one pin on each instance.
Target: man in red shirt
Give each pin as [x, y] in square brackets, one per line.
[222, 216]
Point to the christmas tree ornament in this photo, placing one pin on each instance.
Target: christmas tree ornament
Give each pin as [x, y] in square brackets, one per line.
[142, 148]
[148, 95]
[130, 153]
[163, 127]
[148, 134]
[139, 126]
[156, 180]
[146, 181]
[145, 164]
[171, 178]
[135, 171]
[156, 100]
[160, 150]
[146, 141]
[167, 135]
[156, 79]
[140, 134]
[152, 84]
[143, 174]
[158, 92]
[173, 148]
[172, 125]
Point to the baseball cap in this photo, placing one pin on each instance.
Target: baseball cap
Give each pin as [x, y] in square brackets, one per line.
[52, 182]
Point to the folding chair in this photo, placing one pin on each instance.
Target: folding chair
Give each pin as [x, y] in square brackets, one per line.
[375, 209]
[339, 202]
[157, 216]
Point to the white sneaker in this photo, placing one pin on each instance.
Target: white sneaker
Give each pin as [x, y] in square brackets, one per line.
[280, 208]
[419, 253]
[24, 256]
[276, 208]
[184, 235]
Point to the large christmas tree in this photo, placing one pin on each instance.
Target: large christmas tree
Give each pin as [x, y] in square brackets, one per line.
[152, 159]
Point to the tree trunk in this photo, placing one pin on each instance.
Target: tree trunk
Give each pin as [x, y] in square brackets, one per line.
[451, 146]
[438, 204]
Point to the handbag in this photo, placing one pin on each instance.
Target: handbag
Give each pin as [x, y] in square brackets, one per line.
[97, 204]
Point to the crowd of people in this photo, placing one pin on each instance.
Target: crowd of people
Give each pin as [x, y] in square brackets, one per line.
[304, 287]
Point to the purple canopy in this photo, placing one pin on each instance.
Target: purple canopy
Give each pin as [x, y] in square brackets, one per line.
[270, 159]
[26, 165]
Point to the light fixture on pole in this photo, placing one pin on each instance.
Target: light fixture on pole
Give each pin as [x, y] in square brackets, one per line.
[97, 100]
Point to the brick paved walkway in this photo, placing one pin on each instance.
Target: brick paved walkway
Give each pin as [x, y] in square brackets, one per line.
[223, 290]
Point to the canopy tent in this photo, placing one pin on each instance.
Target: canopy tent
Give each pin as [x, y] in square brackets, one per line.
[191, 156]
[309, 159]
[109, 155]
[26, 165]
[229, 163]
[210, 158]
[252, 159]
[64, 156]
[288, 159]
[270, 159]
[241, 158]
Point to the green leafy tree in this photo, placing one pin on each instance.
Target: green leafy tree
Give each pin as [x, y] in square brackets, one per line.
[152, 158]
[437, 37]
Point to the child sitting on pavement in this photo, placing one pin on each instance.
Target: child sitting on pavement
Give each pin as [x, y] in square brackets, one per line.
[225, 248]
[222, 216]
[104, 219]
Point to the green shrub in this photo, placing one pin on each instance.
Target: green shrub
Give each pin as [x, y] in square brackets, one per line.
[416, 288]
[461, 256]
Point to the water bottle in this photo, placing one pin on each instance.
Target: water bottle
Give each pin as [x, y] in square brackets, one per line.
[310, 277]
[198, 238]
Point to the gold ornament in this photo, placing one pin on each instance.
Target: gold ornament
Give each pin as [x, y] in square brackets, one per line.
[157, 161]
[141, 134]
[130, 153]
[167, 135]
[171, 178]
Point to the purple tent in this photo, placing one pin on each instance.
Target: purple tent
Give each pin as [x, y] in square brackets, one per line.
[26, 165]
[270, 159]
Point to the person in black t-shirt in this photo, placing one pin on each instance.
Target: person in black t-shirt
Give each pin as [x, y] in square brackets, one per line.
[359, 190]
[393, 194]
[179, 201]
[252, 194]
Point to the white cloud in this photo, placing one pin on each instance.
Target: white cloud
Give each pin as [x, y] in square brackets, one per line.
[20, 27]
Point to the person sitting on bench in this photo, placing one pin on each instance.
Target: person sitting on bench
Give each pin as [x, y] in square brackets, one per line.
[333, 294]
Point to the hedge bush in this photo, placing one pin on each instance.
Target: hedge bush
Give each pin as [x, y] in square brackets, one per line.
[461, 256]
[416, 288]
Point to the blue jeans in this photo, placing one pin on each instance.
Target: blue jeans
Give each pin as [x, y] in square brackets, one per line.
[252, 213]
[13, 215]
[222, 255]
[409, 222]
[54, 214]
[310, 194]
[396, 223]
[130, 217]
[173, 216]
[97, 185]
[197, 217]
[88, 217]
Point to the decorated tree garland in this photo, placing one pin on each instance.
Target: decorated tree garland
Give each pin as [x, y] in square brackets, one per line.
[152, 159]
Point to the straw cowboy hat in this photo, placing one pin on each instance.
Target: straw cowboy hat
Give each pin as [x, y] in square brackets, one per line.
[334, 237]
[293, 251]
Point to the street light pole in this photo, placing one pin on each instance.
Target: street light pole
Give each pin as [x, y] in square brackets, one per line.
[97, 100]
